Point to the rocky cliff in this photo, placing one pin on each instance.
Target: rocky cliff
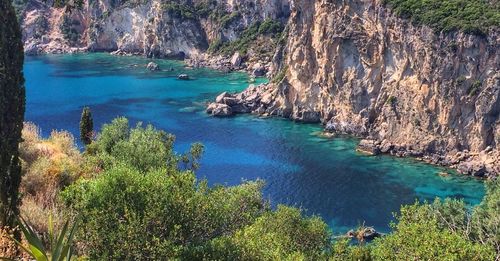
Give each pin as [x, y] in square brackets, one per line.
[409, 91]
[353, 65]
[156, 28]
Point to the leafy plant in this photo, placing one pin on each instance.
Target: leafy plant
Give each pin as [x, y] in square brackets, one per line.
[60, 246]
[475, 17]
[475, 88]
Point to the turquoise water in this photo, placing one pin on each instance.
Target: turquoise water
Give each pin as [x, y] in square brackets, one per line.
[323, 176]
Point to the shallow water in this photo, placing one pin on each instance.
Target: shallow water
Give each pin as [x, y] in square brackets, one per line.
[323, 176]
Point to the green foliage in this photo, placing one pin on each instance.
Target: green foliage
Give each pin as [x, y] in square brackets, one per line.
[418, 236]
[161, 214]
[280, 75]
[227, 19]
[270, 27]
[283, 234]
[68, 29]
[392, 100]
[248, 36]
[342, 250]
[486, 218]
[12, 107]
[141, 148]
[474, 17]
[475, 88]
[59, 249]
[182, 11]
[86, 126]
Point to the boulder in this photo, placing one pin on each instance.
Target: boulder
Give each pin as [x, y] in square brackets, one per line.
[183, 77]
[369, 146]
[365, 234]
[219, 110]
[259, 70]
[153, 66]
[236, 59]
[220, 98]
[474, 168]
[386, 146]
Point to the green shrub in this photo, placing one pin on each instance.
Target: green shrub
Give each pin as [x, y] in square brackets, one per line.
[283, 234]
[143, 148]
[486, 218]
[475, 88]
[242, 44]
[474, 17]
[431, 232]
[182, 11]
[68, 29]
[280, 75]
[161, 214]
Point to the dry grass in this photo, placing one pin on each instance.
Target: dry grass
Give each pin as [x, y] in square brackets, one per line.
[49, 165]
[8, 248]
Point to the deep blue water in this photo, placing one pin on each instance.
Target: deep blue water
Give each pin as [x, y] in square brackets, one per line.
[323, 176]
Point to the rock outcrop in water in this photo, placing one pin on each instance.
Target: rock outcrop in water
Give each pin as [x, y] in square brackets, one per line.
[352, 65]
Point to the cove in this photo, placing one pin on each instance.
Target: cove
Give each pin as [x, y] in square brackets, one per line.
[324, 176]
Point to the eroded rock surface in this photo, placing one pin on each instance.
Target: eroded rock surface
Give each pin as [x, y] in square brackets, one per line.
[361, 70]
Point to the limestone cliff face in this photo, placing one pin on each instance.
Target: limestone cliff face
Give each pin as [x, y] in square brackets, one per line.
[361, 70]
[156, 28]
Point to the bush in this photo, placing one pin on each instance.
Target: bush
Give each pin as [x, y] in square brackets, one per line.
[474, 17]
[129, 215]
[180, 10]
[475, 88]
[68, 29]
[418, 236]
[48, 164]
[269, 28]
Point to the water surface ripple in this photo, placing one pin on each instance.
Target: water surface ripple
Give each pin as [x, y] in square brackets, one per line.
[324, 176]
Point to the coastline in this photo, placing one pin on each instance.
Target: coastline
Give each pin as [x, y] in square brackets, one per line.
[258, 100]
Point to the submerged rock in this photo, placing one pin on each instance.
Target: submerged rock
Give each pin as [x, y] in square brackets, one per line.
[365, 234]
[183, 77]
[153, 66]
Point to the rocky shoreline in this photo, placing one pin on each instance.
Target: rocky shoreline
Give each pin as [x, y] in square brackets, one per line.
[261, 100]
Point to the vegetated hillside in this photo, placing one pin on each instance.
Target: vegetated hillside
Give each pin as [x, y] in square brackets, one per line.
[475, 17]
[134, 198]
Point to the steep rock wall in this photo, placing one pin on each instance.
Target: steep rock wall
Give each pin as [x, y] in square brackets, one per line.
[361, 70]
[155, 28]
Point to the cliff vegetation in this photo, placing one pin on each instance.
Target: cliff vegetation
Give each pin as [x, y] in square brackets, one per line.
[475, 17]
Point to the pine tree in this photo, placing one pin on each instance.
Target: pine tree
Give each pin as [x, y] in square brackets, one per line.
[86, 126]
[12, 106]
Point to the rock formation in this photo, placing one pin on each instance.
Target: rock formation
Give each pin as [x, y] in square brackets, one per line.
[409, 91]
[354, 66]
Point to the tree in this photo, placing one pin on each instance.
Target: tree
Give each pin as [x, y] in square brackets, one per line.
[86, 126]
[12, 106]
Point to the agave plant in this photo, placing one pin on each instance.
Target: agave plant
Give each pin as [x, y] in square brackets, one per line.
[59, 248]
